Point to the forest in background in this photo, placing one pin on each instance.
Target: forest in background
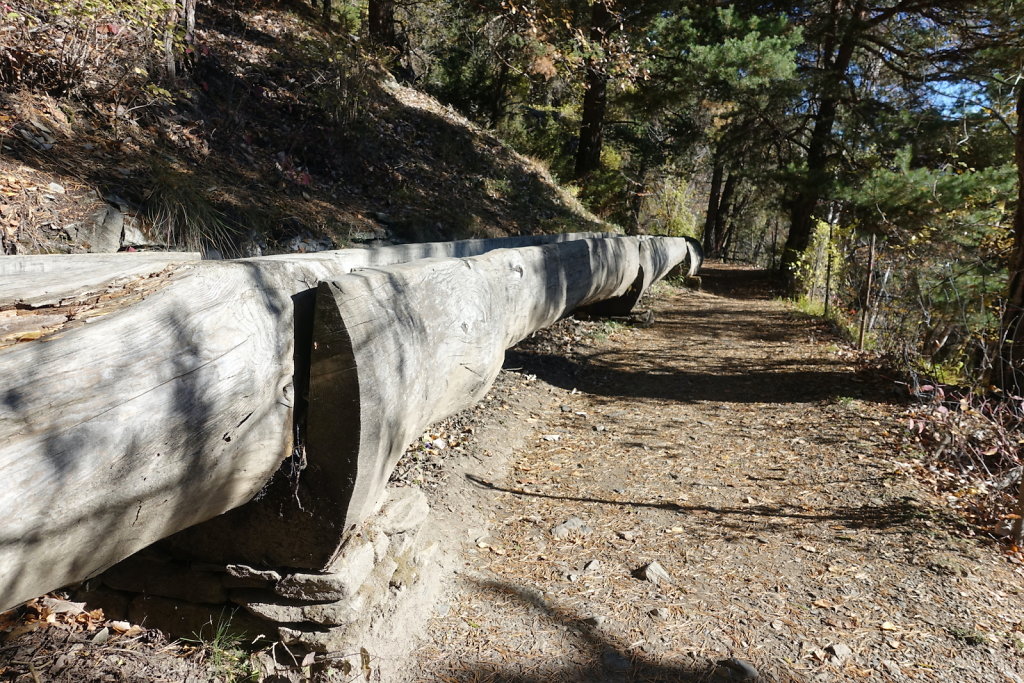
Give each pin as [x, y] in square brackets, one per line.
[870, 152]
[865, 149]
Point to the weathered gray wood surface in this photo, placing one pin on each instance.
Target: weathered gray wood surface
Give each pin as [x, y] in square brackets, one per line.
[175, 404]
[409, 345]
[658, 257]
[170, 402]
[47, 280]
[395, 349]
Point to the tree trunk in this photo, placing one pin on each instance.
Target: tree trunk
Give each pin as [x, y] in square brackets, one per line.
[189, 8]
[721, 216]
[595, 95]
[636, 197]
[170, 66]
[381, 22]
[1008, 371]
[711, 217]
[498, 96]
[815, 180]
[730, 241]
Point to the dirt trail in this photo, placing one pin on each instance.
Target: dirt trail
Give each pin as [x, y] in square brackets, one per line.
[736, 444]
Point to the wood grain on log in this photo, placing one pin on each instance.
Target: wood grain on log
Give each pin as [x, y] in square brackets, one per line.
[117, 430]
[120, 429]
[36, 281]
[420, 342]
[395, 349]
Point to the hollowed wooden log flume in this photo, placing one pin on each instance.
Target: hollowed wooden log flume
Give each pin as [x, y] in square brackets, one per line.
[144, 394]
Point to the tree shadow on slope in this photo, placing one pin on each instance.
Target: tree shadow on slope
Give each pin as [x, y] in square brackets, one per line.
[296, 132]
[606, 658]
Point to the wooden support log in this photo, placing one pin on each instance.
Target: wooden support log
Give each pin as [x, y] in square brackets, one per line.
[395, 349]
[35, 281]
[658, 256]
[125, 420]
[693, 262]
[399, 348]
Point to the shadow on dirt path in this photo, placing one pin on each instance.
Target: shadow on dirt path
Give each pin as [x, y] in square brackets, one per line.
[742, 450]
[739, 281]
[709, 338]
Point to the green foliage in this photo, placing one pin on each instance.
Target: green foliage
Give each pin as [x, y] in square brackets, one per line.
[813, 265]
[941, 267]
[724, 52]
[669, 208]
[543, 132]
[223, 649]
[344, 84]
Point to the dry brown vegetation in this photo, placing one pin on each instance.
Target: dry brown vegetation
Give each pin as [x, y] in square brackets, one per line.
[273, 130]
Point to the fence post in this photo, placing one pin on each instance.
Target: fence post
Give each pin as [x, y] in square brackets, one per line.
[867, 295]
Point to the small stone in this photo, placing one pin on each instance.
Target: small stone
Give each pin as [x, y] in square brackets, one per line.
[599, 428]
[570, 525]
[102, 636]
[739, 669]
[840, 651]
[241, 571]
[132, 235]
[381, 545]
[591, 566]
[349, 573]
[426, 555]
[565, 408]
[439, 444]
[317, 639]
[404, 509]
[595, 621]
[103, 233]
[266, 605]
[659, 613]
[55, 188]
[334, 613]
[892, 667]
[626, 535]
[551, 437]
[653, 572]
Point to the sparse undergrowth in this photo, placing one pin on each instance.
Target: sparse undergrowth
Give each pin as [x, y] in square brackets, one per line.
[971, 446]
[271, 134]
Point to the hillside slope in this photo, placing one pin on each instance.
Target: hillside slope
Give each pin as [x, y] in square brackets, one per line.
[274, 135]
